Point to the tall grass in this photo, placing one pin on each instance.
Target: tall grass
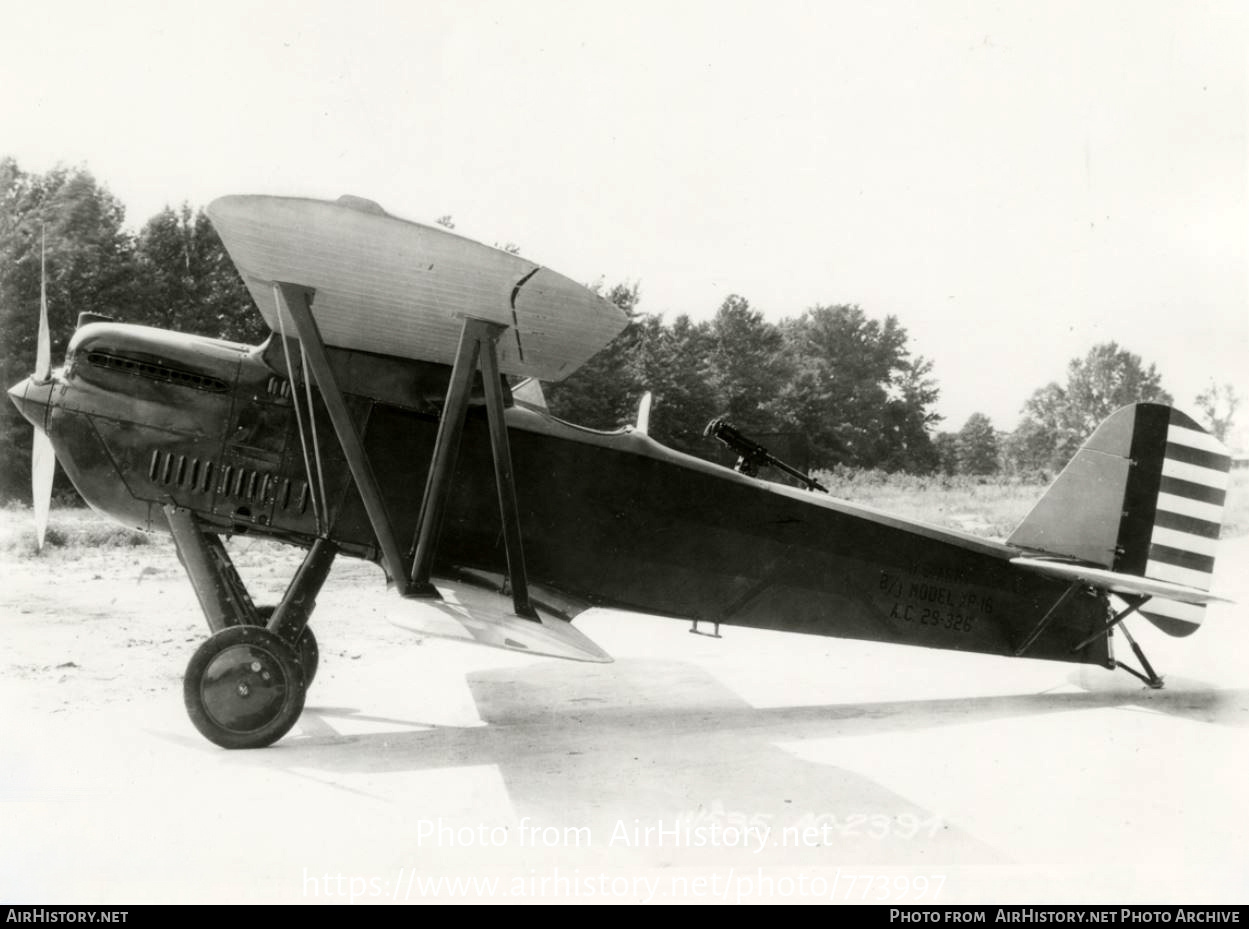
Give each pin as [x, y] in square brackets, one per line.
[69, 528]
[987, 506]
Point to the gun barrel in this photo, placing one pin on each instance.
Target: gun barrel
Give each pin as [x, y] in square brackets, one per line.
[752, 454]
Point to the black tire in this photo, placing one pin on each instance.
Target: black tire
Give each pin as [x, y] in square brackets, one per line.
[309, 656]
[309, 653]
[244, 687]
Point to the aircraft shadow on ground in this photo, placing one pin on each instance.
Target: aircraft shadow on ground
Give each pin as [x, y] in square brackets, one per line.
[530, 710]
[666, 739]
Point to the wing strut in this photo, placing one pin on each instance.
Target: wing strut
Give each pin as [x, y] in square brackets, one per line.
[295, 301]
[478, 344]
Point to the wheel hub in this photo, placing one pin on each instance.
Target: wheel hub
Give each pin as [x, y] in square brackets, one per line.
[243, 688]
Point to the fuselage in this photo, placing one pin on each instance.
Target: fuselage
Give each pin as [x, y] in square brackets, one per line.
[142, 418]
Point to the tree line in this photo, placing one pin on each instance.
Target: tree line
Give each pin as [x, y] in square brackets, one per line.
[1057, 418]
[832, 386]
[837, 386]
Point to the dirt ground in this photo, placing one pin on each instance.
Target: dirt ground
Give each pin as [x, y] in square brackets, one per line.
[757, 767]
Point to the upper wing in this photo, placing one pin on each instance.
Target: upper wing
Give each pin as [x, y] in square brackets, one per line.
[393, 287]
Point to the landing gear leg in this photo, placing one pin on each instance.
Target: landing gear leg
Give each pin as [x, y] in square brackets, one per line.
[289, 619]
[245, 686]
[221, 592]
[307, 650]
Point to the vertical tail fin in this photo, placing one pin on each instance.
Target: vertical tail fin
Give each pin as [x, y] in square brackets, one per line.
[1144, 496]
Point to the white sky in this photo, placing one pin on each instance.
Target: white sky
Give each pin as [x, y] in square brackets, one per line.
[1015, 181]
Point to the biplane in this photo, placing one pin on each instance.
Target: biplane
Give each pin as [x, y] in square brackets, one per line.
[395, 414]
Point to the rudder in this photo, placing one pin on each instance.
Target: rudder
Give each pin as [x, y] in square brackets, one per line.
[1143, 496]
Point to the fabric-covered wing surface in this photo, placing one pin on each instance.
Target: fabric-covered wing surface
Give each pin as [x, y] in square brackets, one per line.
[393, 287]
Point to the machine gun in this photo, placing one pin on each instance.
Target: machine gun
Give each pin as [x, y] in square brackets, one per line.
[751, 455]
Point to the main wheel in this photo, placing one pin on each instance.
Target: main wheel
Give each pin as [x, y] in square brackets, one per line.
[244, 687]
[309, 654]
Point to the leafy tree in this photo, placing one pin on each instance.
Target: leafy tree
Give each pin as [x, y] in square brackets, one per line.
[1218, 405]
[977, 446]
[910, 418]
[855, 391]
[1034, 443]
[745, 363]
[598, 393]
[1056, 420]
[946, 446]
[671, 362]
[1108, 378]
[187, 281]
[90, 264]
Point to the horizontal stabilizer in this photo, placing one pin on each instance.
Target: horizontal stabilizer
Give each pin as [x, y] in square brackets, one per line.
[1118, 583]
[475, 614]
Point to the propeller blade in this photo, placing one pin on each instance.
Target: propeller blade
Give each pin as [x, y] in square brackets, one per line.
[644, 414]
[42, 470]
[43, 348]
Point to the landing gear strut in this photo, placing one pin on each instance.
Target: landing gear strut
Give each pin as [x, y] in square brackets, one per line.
[306, 648]
[1150, 677]
[245, 686]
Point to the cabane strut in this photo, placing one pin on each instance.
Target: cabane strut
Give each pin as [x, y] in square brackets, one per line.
[478, 347]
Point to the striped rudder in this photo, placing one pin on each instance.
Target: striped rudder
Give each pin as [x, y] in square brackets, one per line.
[1143, 496]
[1176, 490]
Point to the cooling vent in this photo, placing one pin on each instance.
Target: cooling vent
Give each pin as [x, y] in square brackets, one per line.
[158, 372]
[278, 388]
[244, 484]
[180, 471]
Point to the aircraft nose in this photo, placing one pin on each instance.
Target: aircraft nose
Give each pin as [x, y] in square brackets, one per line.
[32, 400]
